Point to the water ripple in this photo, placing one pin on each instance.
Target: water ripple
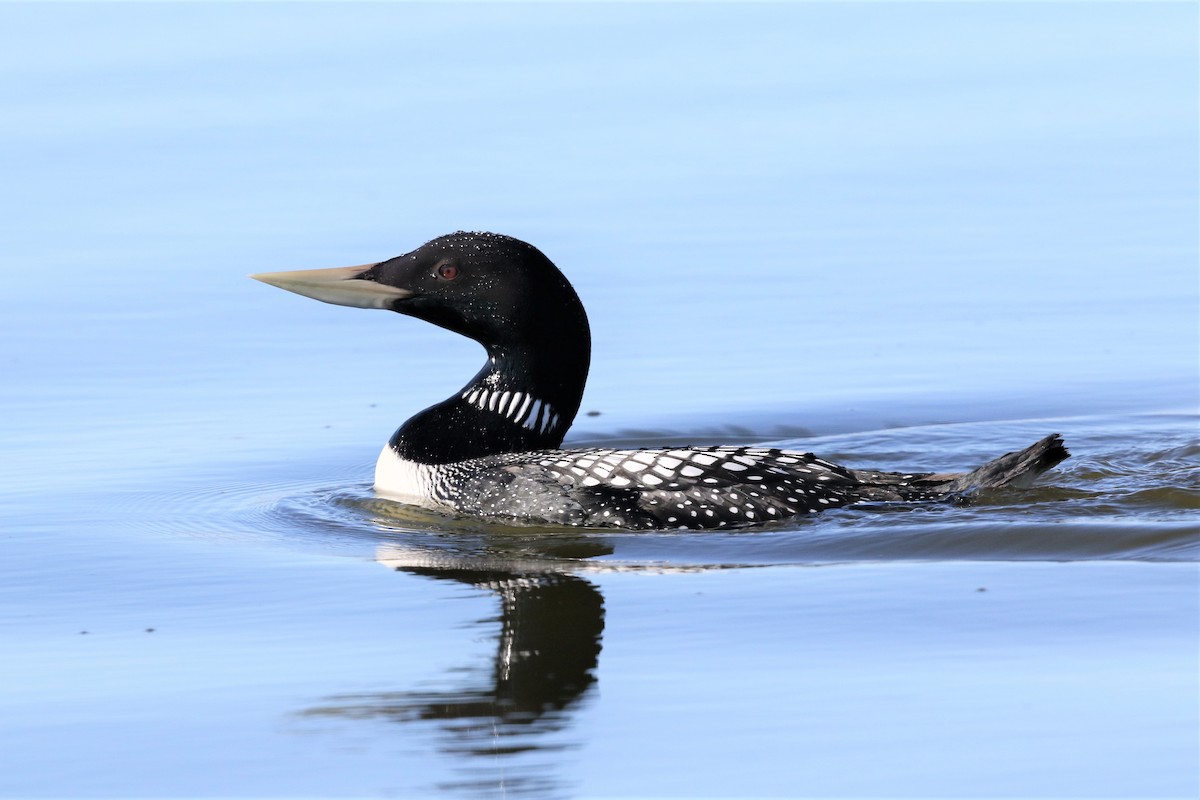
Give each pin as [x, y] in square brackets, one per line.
[1130, 492]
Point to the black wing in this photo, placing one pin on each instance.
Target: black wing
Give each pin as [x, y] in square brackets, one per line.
[692, 487]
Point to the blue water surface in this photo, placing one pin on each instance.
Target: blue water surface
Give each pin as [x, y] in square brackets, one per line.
[903, 235]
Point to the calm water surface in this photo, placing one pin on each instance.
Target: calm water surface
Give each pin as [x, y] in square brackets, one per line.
[900, 236]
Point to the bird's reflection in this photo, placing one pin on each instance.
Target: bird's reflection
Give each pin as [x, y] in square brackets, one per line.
[544, 664]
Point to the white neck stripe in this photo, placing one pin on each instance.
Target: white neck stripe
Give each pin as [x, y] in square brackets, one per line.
[522, 408]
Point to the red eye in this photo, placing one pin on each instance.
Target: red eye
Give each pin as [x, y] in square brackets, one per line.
[447, 272]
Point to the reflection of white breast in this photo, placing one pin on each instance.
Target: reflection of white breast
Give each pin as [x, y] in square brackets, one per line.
[405, 481]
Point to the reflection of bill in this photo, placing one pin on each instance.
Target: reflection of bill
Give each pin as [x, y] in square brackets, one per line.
[546, 656]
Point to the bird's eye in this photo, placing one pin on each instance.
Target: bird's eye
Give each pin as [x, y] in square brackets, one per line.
[447, 272]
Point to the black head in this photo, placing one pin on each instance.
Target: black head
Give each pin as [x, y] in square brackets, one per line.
[499, 291]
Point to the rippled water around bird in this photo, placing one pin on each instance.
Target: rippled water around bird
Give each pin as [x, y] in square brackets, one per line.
[1132, 498]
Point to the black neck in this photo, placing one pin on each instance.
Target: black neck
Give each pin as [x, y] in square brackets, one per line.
[518, 402]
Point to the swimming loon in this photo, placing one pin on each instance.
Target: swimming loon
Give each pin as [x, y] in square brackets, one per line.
[492, 449]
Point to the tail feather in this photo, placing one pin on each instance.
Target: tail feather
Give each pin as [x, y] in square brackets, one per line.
[1018, 470]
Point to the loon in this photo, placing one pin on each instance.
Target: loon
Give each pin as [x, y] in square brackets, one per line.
[493, 449]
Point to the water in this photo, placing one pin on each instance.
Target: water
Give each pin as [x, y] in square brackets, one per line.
[901, 236]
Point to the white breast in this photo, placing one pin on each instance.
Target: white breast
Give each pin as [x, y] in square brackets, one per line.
[405, 481]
